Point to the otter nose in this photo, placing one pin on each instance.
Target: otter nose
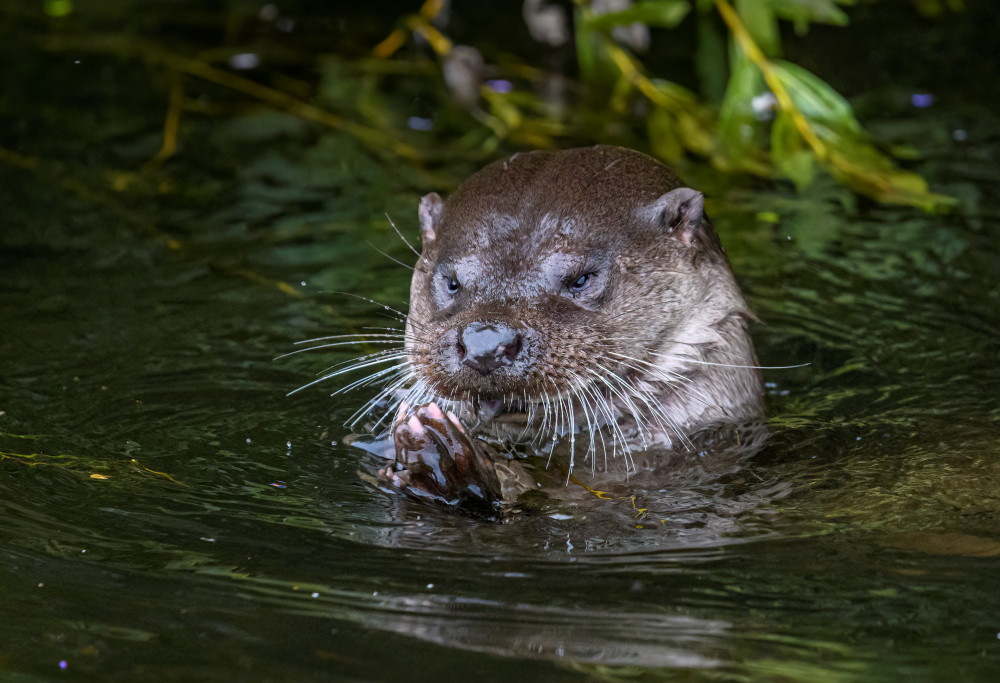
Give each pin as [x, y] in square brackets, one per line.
[484, 347]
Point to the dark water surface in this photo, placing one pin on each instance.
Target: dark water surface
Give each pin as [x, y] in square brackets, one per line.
[166, 513]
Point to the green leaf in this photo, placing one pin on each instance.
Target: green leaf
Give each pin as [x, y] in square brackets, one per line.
[710, 59]
[597, 69]
[803, 12]
[933, 9]
[696, 133]
[790, 152]
[663, 135]
[762, 24]
[680, 96]
[662, 13]
[738, 127]
[814, 98]
[849, 153]
[691, 122]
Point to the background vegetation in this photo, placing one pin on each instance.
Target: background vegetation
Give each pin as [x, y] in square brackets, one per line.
[754, 111]
[684, 79]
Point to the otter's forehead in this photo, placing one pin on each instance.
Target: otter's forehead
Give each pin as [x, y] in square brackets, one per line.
[514, 242]
[601, 182]
[536, 197]
[516, 217]
[500, 229]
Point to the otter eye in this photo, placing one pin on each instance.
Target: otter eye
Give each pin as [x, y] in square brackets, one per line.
[579, 283]
[453, 285]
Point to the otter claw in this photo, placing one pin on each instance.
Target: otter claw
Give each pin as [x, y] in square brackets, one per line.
[435, 458]
[434, 411]
[399, 479]
[455, 421]
[416, 428]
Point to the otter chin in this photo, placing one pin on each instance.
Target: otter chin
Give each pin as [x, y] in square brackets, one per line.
[578, 295]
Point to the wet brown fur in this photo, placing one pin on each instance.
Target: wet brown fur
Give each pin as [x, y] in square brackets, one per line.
[662, 296]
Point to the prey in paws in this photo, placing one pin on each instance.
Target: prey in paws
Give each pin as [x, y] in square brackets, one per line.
[436, 460]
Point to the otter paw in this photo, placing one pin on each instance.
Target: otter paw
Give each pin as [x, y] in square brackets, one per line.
[436, 459]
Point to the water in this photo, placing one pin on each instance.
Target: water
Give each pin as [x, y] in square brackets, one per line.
[167, 514]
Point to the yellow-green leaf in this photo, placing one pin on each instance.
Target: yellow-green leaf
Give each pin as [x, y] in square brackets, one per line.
[802, 12]
[663, 135]
[814, 97]
[662, 13]
[790, 152]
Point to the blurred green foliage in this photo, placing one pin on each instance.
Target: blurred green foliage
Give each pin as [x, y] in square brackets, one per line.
[774, 118]
[417, 95]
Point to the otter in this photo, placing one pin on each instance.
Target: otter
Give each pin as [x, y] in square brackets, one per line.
[579, 297]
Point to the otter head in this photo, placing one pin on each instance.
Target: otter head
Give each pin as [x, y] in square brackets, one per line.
[555, 274]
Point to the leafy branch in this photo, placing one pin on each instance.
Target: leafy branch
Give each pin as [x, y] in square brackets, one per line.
[758, 114]
[776, 119]
[811, 111]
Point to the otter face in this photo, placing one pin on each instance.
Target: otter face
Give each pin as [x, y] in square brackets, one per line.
[554, 274]
[493, 324]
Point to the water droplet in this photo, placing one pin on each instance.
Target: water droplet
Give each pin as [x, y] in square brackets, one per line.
[268, 13]
[244, 61]
[419, 123]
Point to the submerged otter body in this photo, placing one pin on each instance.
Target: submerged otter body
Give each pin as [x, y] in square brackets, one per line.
[578, 295]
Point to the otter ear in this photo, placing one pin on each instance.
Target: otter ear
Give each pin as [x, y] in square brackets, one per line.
[679, 213]
[431, 206]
